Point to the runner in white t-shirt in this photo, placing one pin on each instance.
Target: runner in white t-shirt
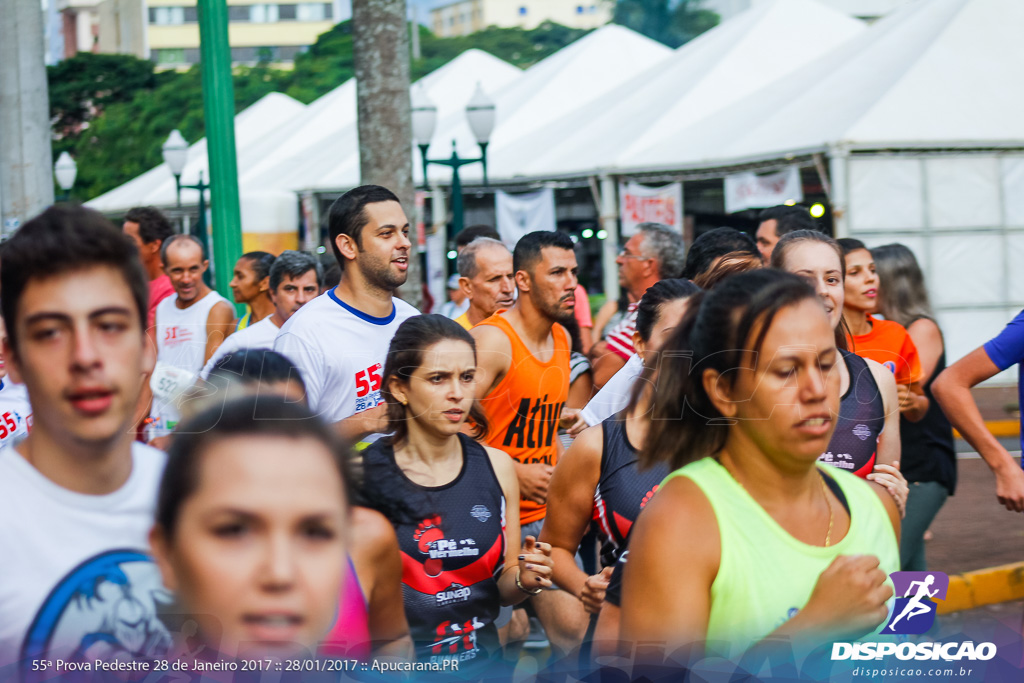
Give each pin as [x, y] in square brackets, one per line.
[78, 494]
[190, 325]
[339, 341]
[15, 409]
[295, 280]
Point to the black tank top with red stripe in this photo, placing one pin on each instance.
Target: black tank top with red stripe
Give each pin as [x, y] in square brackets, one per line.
[623, 488]
[452, 542]
[854, 444]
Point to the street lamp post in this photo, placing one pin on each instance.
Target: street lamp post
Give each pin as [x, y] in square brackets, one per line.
[175, 152]
[66, 170]
[480, 113]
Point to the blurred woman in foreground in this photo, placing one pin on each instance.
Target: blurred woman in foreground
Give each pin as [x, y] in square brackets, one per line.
[251, 527]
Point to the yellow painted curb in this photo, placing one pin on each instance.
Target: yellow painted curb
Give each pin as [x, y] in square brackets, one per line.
[984, 587]
[1001, 429]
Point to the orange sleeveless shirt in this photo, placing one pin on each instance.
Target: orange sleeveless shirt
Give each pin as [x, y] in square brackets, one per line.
[524, 408]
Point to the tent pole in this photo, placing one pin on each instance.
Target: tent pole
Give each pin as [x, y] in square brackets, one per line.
[838, 159]
[610, 246]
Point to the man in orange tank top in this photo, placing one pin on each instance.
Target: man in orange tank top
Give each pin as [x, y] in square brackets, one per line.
[523, 383]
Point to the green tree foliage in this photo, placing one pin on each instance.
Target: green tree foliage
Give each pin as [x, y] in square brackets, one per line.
[125, 141]
[672, 22]
[113, 112]
[83, 86]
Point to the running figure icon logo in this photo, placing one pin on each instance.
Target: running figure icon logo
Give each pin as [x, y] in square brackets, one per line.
[914, 612]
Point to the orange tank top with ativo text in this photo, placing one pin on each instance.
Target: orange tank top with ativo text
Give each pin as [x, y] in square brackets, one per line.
[524, 408]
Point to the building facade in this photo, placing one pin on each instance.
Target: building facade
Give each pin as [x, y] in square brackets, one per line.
[464, 17]
[167, 31]
[258, 31]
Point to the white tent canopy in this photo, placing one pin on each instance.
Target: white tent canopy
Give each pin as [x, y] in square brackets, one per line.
[332, 162]
[156, 186]
[943, 73]
[702, 78]
[568, 80]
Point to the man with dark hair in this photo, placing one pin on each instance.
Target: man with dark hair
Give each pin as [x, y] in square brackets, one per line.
[190, 326]
[340, 340]
[149, 228]
[776, 221]
[250, 285]
[654, 253]
[486, 278]
[714, 244]
[473, 232]
[74, 294]
[523, 383]
[294, 280]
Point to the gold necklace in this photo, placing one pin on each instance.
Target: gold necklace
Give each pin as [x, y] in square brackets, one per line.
[824, 491]
[831, 515]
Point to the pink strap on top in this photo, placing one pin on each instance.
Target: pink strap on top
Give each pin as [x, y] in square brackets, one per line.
[350, 635]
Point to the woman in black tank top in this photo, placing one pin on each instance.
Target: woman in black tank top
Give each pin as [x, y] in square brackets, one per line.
[448, 498]
[866, 440]
[929, 454]
[598, 479]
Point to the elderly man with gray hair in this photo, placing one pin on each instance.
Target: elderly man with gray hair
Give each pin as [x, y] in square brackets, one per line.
[486, 278]
[295, 279]
[655, 252]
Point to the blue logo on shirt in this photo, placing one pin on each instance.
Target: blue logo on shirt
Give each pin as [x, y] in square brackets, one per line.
[106, 608]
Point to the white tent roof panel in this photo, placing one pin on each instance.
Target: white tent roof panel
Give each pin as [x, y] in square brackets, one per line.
[701, 78]
[156, 186]
[937, 73]
[332, 162]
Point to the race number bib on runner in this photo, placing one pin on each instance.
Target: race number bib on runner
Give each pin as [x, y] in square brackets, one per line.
[169, 383]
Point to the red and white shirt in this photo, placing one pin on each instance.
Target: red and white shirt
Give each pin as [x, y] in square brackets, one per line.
[620, 339]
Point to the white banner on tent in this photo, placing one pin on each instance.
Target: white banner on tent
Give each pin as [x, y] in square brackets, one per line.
[519, 214]
[642, 204]
[752, 191]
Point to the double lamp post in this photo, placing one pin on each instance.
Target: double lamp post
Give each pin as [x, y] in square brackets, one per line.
[480, 113]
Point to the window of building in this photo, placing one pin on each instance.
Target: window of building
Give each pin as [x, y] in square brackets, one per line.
[314, 11]
[263, 14]
[191, 15]
[238, 13]
[288, 53]
[167, 16]
[243, 54]
[170, 56]
[191, 55]
[287, 12]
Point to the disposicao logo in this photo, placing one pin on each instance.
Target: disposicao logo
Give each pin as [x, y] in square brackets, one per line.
[914, 614]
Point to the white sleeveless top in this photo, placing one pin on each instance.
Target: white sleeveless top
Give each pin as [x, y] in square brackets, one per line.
[181, 342]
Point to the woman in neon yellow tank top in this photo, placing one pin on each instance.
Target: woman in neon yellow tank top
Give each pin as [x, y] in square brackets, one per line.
[750, 536]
